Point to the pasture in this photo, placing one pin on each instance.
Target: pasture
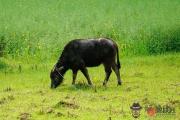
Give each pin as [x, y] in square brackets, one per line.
[26, 94]
[34, 32]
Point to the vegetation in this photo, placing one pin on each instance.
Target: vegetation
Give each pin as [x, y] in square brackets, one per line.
[34, 32]
[41, 28]
[148, 80]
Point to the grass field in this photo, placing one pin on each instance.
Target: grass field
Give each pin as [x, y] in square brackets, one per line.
[41, 28]
[26, 93]
[34, 32]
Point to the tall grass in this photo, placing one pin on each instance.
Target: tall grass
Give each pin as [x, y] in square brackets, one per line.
[41, 28]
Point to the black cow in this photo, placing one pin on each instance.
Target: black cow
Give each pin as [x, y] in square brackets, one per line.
[81, 53]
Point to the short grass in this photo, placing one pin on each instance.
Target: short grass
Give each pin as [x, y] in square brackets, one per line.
[25, 92]
[33, 33]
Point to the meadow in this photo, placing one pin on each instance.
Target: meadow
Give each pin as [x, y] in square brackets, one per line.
[33, 34]
[151, 80]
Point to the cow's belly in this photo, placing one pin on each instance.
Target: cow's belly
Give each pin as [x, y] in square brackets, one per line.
[92, 62]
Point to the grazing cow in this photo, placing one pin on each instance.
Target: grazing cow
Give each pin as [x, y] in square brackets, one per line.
[81, 53]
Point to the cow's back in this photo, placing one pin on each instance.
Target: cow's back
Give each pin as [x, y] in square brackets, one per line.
[91, 51]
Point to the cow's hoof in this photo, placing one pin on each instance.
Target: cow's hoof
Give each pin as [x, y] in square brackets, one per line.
[90, 85]
[119, 83]
[104, 84]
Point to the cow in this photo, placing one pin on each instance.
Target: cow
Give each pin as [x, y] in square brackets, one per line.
[79, 54]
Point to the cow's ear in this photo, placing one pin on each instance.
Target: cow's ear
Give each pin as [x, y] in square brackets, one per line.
[62, 67]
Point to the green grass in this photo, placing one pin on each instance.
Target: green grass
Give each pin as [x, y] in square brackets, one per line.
[33, 34]
[35, 28]
[147, 79]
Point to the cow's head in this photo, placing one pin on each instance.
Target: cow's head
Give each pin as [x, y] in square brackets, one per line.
[56, 76]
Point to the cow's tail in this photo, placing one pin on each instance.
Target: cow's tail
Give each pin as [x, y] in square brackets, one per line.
[118, 62]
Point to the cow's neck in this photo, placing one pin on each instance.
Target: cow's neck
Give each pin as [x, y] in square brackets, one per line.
[59, 64]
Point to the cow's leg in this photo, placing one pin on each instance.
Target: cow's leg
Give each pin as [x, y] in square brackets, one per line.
[85, 72]
[116, 70]
[108, 71]
[74, 76]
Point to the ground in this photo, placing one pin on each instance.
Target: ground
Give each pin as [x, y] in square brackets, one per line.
[25, 91]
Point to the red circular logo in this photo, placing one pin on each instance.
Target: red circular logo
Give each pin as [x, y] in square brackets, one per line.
[151, 111]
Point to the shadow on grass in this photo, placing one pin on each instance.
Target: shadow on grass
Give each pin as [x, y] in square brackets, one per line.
[82, 86]
[77, 86]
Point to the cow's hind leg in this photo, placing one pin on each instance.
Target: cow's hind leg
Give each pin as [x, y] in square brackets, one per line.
[116, 70]
[108, 71]
[85, 72]
[74, 76]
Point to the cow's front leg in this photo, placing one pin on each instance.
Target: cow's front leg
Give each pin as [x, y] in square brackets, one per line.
[74, 76]
[85, 72]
